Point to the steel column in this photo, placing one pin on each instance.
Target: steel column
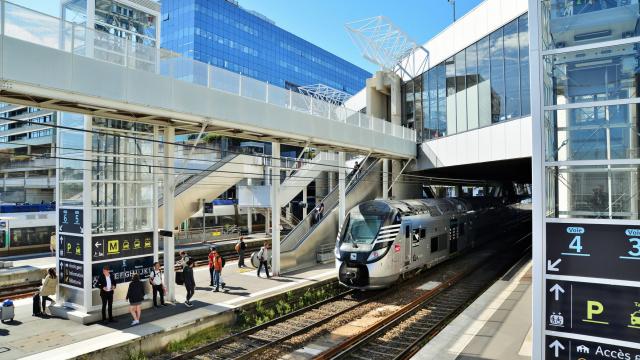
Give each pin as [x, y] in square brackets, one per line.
[169, 188]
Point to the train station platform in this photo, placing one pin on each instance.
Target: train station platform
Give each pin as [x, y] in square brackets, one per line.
[55, 338]
[497, 325]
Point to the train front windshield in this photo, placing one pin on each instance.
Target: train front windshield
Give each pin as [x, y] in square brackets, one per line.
[364, 223]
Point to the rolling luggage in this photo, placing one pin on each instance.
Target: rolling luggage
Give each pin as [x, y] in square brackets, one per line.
[37, 309]
[7, 311]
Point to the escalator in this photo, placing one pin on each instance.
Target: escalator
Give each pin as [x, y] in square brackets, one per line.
[299, 247]
[210, 183]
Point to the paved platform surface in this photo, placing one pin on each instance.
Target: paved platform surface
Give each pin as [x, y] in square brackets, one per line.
[495, 326]
[54, 338]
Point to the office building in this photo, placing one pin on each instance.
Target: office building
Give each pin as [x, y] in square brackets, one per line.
[223, 34]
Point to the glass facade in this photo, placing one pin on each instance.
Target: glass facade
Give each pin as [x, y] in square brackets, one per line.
[590, 108]
[486, 83]
[221, 33]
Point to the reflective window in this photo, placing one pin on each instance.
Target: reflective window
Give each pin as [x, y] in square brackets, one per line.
[442, 100]
[586, 192]
[451, 95]
[525, 92]
[511, 70]
[409, 104]
[593, 133]
[484, 82]
[461, 92]
[496, 52]
[471, 57]
[578, 22]
[593, 75]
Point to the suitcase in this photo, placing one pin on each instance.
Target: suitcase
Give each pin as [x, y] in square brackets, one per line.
[37, 309]
[7, 312]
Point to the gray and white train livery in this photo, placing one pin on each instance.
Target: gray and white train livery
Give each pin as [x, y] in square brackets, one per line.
[383, 239]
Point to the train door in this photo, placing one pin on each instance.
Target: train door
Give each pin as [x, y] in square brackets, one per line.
[453, 235]
[407, 244]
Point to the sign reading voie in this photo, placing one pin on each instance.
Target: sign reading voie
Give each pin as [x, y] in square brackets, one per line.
[607, 311]
[70, 220]
[593, 250]
[120, 246]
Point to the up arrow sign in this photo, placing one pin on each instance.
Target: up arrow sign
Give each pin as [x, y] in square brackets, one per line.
[557, 289]
[553, 266]
[556, 346]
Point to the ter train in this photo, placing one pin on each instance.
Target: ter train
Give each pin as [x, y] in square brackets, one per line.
[381, 240]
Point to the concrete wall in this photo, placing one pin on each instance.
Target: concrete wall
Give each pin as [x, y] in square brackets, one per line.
[502, 141]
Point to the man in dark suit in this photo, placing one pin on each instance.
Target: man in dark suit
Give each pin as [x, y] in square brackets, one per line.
[107, 284]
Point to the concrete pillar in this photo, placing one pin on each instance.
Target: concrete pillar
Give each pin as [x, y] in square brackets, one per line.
[169, 188]
[267, 221]
[304, 200]
[342, 206]
[385, 179]
[322, 186]
[331, 179]
[275, 208]
[249, 213]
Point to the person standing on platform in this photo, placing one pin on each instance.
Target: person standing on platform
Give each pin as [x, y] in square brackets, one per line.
[217, 270]
[53, 241]
[241, 246]
[263, 257]
[210, 257]
[135, 295]
[48, 288]
[156, 284]
[184, 259]
[107, 284]
[189, 282]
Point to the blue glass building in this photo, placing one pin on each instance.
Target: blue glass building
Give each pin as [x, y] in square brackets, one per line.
[223, 34]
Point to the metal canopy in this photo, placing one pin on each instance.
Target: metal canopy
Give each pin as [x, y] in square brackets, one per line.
[325, 93]
[386, 45]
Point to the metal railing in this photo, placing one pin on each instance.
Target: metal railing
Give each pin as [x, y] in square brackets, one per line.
[306, 226]
[38, 28]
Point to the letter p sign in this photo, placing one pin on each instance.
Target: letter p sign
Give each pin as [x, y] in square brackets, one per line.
[594, 308]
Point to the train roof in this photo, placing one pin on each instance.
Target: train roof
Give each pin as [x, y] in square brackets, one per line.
[437, 207]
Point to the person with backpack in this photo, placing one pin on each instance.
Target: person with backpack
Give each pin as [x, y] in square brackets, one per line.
[241, 246]
[189, 282]
[135, 295]
[263, 257]
[210, 257]
[155, 279]
[217, 269]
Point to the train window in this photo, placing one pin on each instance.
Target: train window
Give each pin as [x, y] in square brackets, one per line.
[461, 229]
[434, 244]
[423, 233]
[407, 231]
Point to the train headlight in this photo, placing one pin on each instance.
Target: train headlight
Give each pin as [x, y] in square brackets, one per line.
[379, 250]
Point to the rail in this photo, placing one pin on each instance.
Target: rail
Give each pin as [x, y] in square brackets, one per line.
[45, 30]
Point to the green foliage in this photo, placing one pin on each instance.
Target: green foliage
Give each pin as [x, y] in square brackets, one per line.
[136, 355]
[193, 340]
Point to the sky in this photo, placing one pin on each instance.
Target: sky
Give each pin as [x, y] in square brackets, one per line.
[322, 22]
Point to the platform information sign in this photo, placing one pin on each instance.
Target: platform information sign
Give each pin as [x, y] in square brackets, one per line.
[590, 290]
[120, 246]
[124, 269]
[70, 220]
[70, 247]
[562, 348]
[602, 251]
[608, 311]
[71, 273]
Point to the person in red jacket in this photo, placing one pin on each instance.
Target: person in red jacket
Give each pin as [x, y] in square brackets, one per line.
[217, 269]
[212, 251]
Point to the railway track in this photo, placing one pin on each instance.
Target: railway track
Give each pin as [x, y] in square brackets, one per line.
[250, 343]
[403, 333]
